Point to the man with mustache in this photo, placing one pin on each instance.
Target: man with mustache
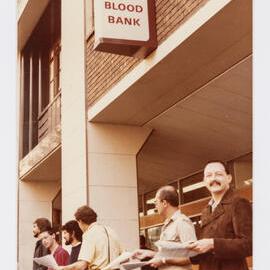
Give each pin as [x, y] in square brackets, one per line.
[73, 236]
[226, 237]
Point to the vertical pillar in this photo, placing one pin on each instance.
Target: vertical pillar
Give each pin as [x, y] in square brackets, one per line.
[20, 67]
[34, 201]
[39, 83]
[113, 193]
[31, 103]
[73, 111]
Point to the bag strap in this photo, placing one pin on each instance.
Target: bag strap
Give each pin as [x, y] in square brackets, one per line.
[109, 252]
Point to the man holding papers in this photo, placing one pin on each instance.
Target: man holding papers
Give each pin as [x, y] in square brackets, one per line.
[177, 228]
[60, 255]
[226, 224]
[100, 244]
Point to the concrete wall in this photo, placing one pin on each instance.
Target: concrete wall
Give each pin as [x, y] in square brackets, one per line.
[74, 171]
[35, 200]
[112, 186]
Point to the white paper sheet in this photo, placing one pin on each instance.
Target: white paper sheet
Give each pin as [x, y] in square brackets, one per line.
[48, 261]
[115, 264]
[169, 249]
[132, 265]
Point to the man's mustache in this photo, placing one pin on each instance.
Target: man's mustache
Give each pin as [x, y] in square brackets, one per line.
[214, 182]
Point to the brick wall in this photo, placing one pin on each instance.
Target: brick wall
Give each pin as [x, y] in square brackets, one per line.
[104, 70]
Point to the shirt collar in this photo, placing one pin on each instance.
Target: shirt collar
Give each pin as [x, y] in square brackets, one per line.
[213, 204]
[77, 244]
[175, 215]
[91, 226]
[227, 197]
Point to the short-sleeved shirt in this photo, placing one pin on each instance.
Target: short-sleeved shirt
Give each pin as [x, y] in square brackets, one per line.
[178, 228]
[95, 245]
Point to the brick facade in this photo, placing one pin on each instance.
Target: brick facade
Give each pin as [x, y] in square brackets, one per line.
[104, 70]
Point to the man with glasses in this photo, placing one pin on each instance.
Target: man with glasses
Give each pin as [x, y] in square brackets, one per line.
[226, 225]
[177, 227]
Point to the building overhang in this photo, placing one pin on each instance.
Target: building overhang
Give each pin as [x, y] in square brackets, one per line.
[215, 38]
[28, 15]
[42, 163]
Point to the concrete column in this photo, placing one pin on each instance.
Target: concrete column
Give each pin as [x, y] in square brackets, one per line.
[34, 201]
[74, 176]
[112, 167]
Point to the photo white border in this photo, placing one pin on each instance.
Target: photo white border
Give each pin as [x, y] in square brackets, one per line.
[8, 156]
[261, 134]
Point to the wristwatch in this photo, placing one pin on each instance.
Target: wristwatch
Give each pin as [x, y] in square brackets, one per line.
[163, 260]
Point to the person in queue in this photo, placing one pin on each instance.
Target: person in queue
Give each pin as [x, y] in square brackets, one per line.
[100, 244]
[177, 227]
[72, 235]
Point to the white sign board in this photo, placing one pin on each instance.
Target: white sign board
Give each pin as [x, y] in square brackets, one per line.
[122, 19]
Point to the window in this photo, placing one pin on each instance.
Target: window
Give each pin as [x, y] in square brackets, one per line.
[193, 188]
[57, 214]
[149, 202]
[153, 235]
[54, 71]
[242, 169]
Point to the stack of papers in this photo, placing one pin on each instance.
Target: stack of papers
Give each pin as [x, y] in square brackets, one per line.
[124, 262]
[48, 261]
[115, 264]
[132, 265]
[166, 249]
[170, 249]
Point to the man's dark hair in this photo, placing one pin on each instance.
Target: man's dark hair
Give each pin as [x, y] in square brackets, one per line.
[224, 164]
[86, 215]
[169, 193]
[72, 226]
[54, 230]
[43, 224]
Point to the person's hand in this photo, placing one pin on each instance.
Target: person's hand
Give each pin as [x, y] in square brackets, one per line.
[142, 254]
[202, 246]
[155, 262]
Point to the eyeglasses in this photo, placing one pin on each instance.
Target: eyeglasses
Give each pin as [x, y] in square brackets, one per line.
[157, 201]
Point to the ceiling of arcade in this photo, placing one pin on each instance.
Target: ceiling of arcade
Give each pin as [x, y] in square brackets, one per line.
[214, 122]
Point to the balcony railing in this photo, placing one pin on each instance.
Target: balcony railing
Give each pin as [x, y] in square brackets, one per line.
[49, 119]
[49, 136]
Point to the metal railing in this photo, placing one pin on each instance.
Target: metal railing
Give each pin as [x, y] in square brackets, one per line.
[49, 119]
